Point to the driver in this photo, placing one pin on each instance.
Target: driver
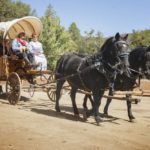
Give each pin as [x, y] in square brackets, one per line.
[20, 49]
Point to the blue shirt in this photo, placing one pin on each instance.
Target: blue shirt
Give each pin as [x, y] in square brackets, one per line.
[16, 45]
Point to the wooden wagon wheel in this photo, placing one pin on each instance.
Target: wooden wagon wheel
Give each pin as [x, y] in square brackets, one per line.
[51, 94]
[51, 91]
[13, 88]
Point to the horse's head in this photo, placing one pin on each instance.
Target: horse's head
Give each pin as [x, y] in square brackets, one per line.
[115, 51]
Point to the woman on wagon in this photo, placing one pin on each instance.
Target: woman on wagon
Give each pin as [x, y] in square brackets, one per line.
[36, 49]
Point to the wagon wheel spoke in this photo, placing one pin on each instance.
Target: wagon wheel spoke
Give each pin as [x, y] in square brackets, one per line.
[51, 78]
[13, 88]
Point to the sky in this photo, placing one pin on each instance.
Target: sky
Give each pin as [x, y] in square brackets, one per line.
[106, 16]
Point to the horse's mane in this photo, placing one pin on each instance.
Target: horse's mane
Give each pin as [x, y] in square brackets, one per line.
[106, 43]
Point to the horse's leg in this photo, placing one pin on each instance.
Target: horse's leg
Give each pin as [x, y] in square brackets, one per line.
[86, 113]
[108, 102]
[97, 102]
[131, 117]
[1, 89]
[85, 101]
[91, 100]
[58, 90]
[73, 96]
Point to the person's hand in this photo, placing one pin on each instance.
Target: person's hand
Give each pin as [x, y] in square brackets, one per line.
[26, 49]
[23, 49]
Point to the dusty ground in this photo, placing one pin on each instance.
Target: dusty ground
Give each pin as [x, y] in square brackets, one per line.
[34, 125]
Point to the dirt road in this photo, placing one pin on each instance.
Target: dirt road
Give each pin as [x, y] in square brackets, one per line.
[34, 125]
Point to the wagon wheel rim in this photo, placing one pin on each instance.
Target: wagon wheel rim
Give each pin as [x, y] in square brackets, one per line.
[13, 88]
[51, 94]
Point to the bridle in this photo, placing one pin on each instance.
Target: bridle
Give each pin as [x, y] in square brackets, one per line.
[124, 54]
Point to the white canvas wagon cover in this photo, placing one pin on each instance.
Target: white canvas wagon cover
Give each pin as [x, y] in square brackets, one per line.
[28, 24]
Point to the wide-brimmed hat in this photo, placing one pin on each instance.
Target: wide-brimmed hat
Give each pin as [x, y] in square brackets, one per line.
[21, 34]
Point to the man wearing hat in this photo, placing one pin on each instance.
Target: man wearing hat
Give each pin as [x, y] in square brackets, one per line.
[20, 49]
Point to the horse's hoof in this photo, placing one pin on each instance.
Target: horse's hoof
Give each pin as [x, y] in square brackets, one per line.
[85, 108]
[85, 115]
[131, 118]
[89, 113]
[77, 116]
[57, 109]
[105, 114]
[137, 101]
[98, 119]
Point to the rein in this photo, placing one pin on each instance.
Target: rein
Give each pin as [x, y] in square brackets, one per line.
[135, 71]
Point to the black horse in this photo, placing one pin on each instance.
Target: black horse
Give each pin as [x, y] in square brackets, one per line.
[93, 73]
[139, 60]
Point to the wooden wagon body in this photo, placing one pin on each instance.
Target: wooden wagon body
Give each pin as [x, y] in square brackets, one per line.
[12, 69]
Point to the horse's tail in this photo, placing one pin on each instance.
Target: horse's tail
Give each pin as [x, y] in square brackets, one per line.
[59, 68]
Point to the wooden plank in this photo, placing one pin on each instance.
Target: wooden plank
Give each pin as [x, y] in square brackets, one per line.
[146, 91]
[115, 97]
[34, 72]
[135, 93]
[3, 67]
[105, 96]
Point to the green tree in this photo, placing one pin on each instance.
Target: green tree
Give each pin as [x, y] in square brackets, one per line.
[10, 9]
[140, 38]
[56, 40]
[4, 7]
[91, 42]
[75, 35]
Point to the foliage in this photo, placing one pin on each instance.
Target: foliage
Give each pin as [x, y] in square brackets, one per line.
[91, 42]
[14, 9]
[55, 39]
[140, 38]
[75, 35]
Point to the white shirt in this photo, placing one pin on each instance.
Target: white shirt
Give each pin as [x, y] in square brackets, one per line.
[36, 48]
